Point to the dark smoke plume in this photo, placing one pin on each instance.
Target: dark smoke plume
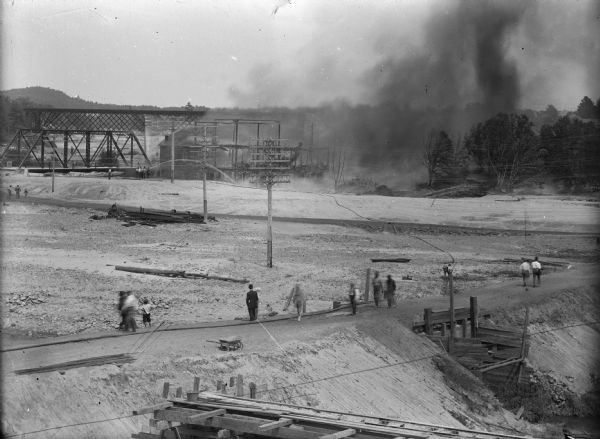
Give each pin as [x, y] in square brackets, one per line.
[460, 75]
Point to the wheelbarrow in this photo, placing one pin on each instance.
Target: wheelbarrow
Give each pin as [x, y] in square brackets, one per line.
[232, 343]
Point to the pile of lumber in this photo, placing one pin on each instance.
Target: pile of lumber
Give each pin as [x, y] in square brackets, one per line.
[210, 415]
[154, 216]
[178, 273]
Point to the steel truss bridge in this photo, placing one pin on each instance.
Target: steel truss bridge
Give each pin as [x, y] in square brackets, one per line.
[69, 138]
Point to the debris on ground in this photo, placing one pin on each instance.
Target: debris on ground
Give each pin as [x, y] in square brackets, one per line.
[151, 216]
[400, 260]
[178, 273]
[25, 299]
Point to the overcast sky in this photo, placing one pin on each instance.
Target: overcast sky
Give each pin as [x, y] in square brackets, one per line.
[223, 53]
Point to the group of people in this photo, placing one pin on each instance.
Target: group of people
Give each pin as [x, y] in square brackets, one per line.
[142, 172]
[387, 290]
[17, 190]
[128, 308]
[297, 297]
[527, 269]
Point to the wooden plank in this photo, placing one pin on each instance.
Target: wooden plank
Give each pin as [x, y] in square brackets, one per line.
[200, 417]
[500, 364]
[493, 329]
[152, 408]
[173, 273]
[142, 435]
[283, 422]
[473, 315]
[340, 434]
[428, 322]
[165, 393]
[239, 390]
[177, 415]
[444, 316]
[192, 396]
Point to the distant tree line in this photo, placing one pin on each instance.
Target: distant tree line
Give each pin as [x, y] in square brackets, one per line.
[12, 116]
[505, 150]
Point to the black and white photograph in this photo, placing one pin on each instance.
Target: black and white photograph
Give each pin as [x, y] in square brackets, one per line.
[300, 219]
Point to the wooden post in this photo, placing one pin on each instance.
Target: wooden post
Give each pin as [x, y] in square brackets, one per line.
[474, 315]
[367, 285]
[427, 318]
[219, 385]
[65, 149]
[269, 225]
[443, 329]
[165, 393]
[524, 338]
[205, 202]
[196, 384]
[240, 385]
[173, 152]
[464, 328]
[523, 343]
[450, 287]
[178, 392]
[252, 391]
[232, 382]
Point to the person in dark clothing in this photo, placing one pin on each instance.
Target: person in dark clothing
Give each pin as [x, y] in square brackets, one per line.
[252, 302]
[353, 296]
[122, 311]
[390, 290]
[377, 289]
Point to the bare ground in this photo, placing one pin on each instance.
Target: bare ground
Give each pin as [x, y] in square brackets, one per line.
[58, 278]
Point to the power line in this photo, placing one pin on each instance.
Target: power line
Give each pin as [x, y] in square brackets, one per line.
[69, 425]
[565, 327]
[349, 373]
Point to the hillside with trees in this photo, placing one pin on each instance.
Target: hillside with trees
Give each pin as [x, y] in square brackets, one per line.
[502, 150]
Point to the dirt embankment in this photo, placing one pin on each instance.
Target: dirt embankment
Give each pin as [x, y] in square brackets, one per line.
[564, 338]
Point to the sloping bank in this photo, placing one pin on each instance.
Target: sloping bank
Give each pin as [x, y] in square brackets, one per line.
[565, 335]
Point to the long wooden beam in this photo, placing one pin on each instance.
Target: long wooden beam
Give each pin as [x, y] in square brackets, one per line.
[152, 408]
[283, 422]
[197, 419]
[340, 434]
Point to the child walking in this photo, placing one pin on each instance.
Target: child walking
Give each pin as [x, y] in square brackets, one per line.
[146, 308]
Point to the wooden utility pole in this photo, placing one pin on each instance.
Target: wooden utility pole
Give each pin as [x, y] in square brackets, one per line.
[450, 287]
[367, 285]
[173, 152]
[269, 222]
[52, 173]
[205, 202]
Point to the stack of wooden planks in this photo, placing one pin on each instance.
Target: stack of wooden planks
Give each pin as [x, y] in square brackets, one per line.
[213, 415]
[155, 215]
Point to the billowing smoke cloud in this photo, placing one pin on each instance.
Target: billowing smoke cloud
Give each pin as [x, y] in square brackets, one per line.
[460, 68]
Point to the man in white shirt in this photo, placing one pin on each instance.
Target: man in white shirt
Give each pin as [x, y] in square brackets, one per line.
[130, 305]
[525, 271]
[537, 271]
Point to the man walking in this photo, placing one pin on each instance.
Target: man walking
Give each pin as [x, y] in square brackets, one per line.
[537, 271]
[525, 271]
[298, 298]
[377, 288]
[252, 302]
[130, 305]
[390, 290]
[353, 296]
